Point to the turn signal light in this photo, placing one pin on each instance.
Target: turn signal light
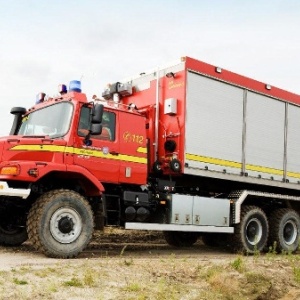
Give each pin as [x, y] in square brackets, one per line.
[10, 170]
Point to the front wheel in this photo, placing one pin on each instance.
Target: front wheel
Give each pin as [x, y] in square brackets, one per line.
[180, 238]
[12, 227]
[60, 224]
[251, 234]
[11, 235]
[284, 230]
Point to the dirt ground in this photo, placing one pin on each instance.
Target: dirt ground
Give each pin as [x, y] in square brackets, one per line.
[140, 265]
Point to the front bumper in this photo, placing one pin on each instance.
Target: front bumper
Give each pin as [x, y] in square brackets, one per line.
[5, 190]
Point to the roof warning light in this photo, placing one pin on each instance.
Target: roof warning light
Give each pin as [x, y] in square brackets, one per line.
[40, 97]
[75, 86]
[62, 89]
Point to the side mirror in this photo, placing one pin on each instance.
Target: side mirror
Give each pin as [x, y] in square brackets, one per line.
[96, 129]
[18, 112]
[97, 113]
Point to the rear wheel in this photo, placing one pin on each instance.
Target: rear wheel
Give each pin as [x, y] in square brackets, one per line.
[251, 234]
[284, 230]
[180, 238]
[60, 224]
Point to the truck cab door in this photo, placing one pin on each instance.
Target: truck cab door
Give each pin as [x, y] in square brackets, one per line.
[133, 148]
[101, 156]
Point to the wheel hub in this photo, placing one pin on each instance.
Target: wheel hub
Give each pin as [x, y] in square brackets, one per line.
[66, 225]
[254, 231]
[290, 232]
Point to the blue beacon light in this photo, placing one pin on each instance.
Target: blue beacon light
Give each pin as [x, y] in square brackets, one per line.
[75, 86]
[62, 89]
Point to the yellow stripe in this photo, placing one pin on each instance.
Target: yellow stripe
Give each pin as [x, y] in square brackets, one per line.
[141, 150]
[81, 151]
[213, 161]
[293, 174]
[50, 148]
[100, 154]
[264, 169]
[237, 165]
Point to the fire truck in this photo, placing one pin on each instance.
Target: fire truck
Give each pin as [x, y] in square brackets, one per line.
[189, 149]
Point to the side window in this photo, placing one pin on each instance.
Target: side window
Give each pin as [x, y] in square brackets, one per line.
[108, 127]
[84, 121]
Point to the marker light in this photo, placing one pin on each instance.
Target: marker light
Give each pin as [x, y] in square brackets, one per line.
[75, 86]
[62, 89]
[10, 170]
[34, 172]
[40, 98]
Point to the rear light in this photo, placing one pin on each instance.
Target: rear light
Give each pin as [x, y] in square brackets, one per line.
[10, 170]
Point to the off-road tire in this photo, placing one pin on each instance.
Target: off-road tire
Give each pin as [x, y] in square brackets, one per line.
[50, 219]
[251, 234]
[284, 230]
[12, 237]
[180, 238]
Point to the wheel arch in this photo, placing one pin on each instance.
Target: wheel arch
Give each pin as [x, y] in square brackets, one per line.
[266, 201]
[72, 180]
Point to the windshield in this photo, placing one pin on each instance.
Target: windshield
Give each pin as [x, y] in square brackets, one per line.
[53, 121]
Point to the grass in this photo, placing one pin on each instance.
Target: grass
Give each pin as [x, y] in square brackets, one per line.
[74, 281]
[171, 277]
[296, 271]
[20, 281]
[238, 264]
[133, 287]
[89, 278]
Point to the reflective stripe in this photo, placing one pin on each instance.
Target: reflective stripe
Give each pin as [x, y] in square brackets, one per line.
[82, 151]
[213, 161]
[237, 165]
[141, 150]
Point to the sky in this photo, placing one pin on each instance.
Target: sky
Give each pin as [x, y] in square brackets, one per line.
[45, 43]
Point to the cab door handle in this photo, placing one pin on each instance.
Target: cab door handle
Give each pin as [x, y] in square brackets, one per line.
[113, 153]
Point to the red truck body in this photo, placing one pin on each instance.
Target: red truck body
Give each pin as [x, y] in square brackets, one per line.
[190, 149]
